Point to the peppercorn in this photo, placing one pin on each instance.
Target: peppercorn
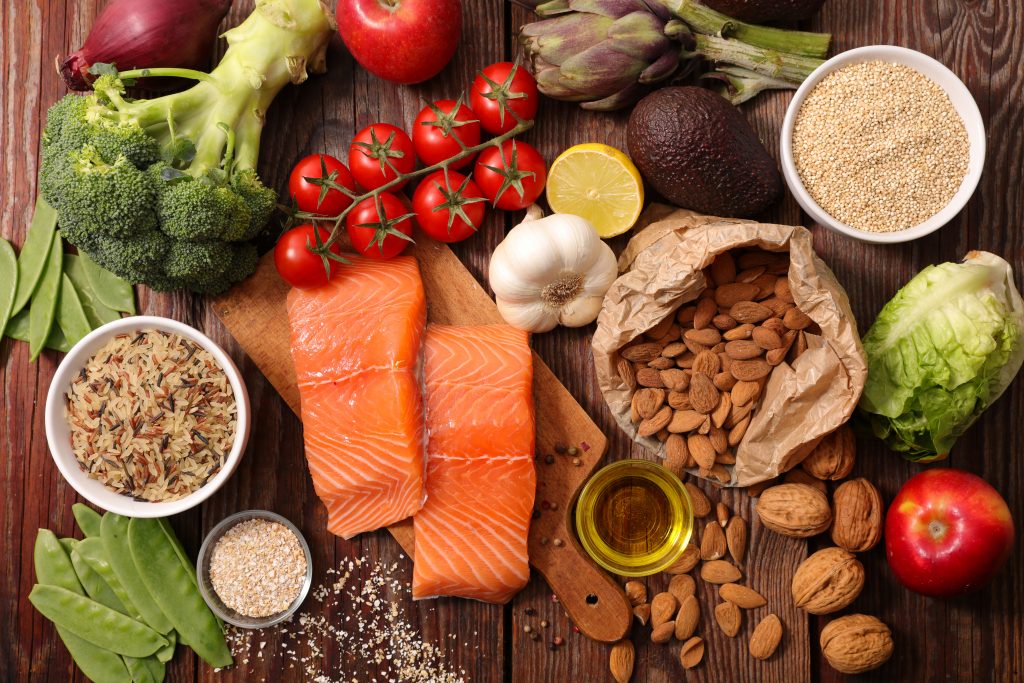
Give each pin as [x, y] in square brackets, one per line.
[549, 459]
[529, 611]
[560, 448]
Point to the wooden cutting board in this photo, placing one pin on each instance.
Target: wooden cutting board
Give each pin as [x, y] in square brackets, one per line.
[255, 314]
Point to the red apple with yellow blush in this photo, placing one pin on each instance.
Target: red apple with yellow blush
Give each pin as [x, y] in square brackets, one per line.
[947, 532]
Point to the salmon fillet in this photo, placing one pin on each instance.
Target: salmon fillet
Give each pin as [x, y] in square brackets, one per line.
[471, 533]
[356, 344]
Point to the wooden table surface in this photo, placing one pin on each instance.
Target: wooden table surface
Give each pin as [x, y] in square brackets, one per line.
[975, 638]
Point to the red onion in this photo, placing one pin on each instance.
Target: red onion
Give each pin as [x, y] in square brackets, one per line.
[138, 34]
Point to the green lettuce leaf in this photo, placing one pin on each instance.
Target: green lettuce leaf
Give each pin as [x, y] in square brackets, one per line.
[942, 351]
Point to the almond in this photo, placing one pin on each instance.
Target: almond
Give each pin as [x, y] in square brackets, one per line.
[636, 591]
[724, 381]
[712, 542]
[729, 618]
[661, 328]
[686, 314]
[801, 344]
[673, 334]
[663, 633]
[723, 269]
[692, 652]
[663, 608]
[679, 400]
[743, 349]
[758, 257]
[782, 290]
[719, 440]
[743, 331]
[673, 350]
[766, 338]
[706, 311]
[738, 413]
[621, 661]
[695, 347]
[685, 361]
[722, 513]
[684, 421]
[655, 423]
[706, 363]
[856, 643]
[626, 373]
[726, 457]
[766, 637]
[641, 353]
[736, 538]
[795, 319]
[720, 571]
[745, 392]
[723, 322]
[701, 449]
[700, 502]
[649, 402]
[675, 379]
[795, 510]
[682, 586]
[707, 336]
[738, 431]
[718, 473]
[858, 513]
[765, 285]
[642, 613]
[649, 377]
[688, 618]
[661, 363]
[750, 370]
[834, 455]
[827, 581]
[686, 562]
[750, 312]
[774, 324]
[776, 356]
[634, 412]
[677, 456]
[742, 596]
[704, 396]
[730, 294]
[721, 413]
[750, 274]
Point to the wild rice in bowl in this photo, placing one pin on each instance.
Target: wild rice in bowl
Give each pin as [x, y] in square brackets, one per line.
[152, 416]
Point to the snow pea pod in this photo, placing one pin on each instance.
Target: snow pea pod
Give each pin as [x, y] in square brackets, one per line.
[53, 566]
[17, 328]
[35, 252]
[70, 314]
[95, 623]
[146, 670]
[44, 301]
[8, 281]
[173, 588]
[165, 654]
[94, 585]
[114, 532]
[88, 519]
[95, 310]
[112, 291]
[93, 552]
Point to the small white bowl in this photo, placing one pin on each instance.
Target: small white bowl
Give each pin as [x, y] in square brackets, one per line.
[962, 101]
[58, 433]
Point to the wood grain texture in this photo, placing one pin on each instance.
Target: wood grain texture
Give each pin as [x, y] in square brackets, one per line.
[977, 638]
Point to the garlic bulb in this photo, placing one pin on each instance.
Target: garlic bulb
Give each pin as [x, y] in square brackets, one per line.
[551, 271]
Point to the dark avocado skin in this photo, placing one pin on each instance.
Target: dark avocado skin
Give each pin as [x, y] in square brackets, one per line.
[763, 11]
[699, 152]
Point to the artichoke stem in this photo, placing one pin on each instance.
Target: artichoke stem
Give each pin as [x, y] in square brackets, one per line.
[703, 19]
[739, 85]
[771, 63]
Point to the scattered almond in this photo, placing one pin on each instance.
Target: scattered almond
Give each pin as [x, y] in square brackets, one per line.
[742, 596]
[692, 652]
[701, 449]
[729, 618]
[686, 562]
[642, 613]
[766, 637]
[636, 591]
[720, 571]
[712, 542]
[682, 586]
[700, 502]
[736, 538]
[663, 633]
[722, 513]
[621, 661]
[688, 618]
[663, 608]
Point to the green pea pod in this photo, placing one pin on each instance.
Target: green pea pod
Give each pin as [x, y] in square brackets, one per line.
[94, 585]
[17, 328]
[172, 587]
[70, 314]
[35, 252]
[114, 533]
[95, 623]
[111, 290]
[8, 281]
[146, 670]
[88, 520]
[165, 654]
[44, 302]
[69, 544]
[53, 567]
[92, 551]
[96, 311]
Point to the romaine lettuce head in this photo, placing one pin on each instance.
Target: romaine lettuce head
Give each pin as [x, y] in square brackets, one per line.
[941, 351]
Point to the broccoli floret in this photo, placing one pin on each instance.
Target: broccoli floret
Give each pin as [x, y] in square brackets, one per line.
[165, 191]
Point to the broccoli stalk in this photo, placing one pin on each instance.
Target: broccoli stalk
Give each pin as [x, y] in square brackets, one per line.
[164, 191]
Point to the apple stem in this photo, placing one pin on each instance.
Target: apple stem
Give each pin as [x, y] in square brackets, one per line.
[937, 529]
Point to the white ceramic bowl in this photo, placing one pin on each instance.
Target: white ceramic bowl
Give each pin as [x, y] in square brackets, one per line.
[962, 101]
[58, 433]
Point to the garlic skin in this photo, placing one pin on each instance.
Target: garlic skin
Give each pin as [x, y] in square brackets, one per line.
[551, 271]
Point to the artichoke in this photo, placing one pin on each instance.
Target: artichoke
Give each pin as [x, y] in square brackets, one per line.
[606, 54]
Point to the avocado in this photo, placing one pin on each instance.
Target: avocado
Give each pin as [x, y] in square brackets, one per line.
[762, 11]
[699, 152]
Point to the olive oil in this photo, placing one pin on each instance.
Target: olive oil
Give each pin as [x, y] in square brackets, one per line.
[634, 518]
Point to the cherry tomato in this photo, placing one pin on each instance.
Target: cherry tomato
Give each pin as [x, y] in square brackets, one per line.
[439, 128]
[501, 87]
[449, 212]
[299, 266]
[380, 236]
[513, 177]
[317, 196]
[379, 153]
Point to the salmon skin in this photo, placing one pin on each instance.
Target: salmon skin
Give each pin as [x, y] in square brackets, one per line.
[357, 347]
[471, 533]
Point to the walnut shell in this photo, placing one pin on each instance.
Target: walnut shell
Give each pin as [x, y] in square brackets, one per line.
[827, 581]
[856, 643]
[833, 457]
[858, 514]
[796, 510]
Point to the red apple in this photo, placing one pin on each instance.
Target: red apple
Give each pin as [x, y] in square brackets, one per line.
[947, 532]
[403, 41]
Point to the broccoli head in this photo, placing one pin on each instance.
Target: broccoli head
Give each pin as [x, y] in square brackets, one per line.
[164, 191]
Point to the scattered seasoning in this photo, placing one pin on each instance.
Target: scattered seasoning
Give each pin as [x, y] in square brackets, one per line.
[527, 628]
[553, 505]
[584, 446]
[536, 513]
[576, 462]
[151, 416]
[545, 505]
[529, 611]
[257, 568]
[561, 448]
[534, 636]
[544, 623]
[557, 641]
[559, 543]
[544, 540]
[879, 146]
[574, 451]
[554, 598]
[549, 459]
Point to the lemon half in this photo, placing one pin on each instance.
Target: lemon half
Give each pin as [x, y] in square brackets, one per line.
[599, 183]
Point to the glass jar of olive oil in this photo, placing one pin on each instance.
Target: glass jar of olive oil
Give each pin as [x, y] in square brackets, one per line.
[634, 518]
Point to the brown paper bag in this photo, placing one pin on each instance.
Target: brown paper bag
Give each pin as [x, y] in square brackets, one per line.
[661, 269]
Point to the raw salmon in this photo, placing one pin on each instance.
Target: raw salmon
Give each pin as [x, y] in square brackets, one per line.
[356, 344]
[471, 533]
